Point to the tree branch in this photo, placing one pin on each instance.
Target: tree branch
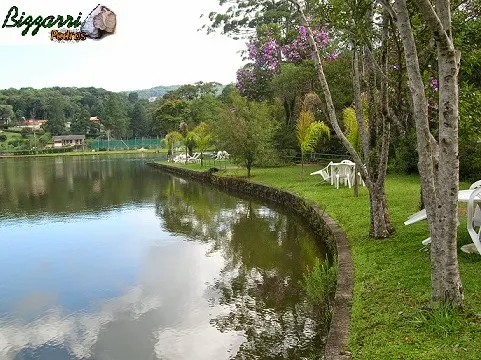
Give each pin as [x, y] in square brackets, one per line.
[386, 5]
[440, 34]
[327, 93]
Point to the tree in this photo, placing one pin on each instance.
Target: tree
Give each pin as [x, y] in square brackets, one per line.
[309, 132]
[168, 115]
[80, 126]
[133, 97]
[203, 139]
[351, 129]
[245, 130]
[139, 123]
[115, 116]
[186, 137]
[56, 117]
[292, 83]
[438, 159]
[375, 144]
[193, 91]
[204, 109]
[171, 138]
[6, 113]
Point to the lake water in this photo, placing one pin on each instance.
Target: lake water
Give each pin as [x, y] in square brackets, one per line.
[105, 258]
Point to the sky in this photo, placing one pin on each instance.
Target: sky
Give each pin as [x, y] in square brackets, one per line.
[156, 43]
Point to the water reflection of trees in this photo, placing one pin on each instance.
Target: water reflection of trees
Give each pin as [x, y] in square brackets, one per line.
[73, 184]
[266, 253]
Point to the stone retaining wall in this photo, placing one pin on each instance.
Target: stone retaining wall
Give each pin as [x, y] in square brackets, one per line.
[321, 223]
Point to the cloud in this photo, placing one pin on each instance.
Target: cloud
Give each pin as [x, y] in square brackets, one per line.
[167, 311]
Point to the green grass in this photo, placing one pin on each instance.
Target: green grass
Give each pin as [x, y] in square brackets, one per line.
[392, 276]
[10, 135]
[319, 282]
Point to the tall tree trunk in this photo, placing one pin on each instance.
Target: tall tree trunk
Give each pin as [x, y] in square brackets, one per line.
[289, 110]
[302, 166]
[380, 228]
[439, 179]
[356, 82]
[374, 172]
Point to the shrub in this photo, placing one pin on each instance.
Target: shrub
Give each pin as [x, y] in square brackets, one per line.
[270, 158]
[25, 132]
[3, 137]
[320, 282]
[469, 164]
[405, 154]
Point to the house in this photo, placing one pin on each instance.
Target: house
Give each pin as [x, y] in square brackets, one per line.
[68, 140]
[152, 98]
[95, 119]
[34, 124]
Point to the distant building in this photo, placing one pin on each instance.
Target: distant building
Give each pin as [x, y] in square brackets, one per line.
[95, 119]
[152, 98]
[68, 140]
[34, 124]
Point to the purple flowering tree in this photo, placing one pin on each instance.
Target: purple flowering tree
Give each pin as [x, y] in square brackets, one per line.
[266, 55]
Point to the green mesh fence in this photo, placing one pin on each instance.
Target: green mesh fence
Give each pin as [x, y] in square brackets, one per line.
[128, 144]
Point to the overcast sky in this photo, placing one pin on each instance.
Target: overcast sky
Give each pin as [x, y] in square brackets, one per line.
[156, 43]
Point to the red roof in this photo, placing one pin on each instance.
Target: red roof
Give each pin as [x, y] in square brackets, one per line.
[34, 122]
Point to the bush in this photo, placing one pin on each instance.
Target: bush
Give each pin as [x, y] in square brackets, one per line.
[3, 137]
[270, 158]
[25, 132]
[469, 164]
[405, 154]
[288, 155]
[320, 282]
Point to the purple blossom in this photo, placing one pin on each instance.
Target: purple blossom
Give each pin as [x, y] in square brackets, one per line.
[299, 49]
[302, 31]
[433, 83]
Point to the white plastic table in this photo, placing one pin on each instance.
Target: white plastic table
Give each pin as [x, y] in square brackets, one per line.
[463, 196]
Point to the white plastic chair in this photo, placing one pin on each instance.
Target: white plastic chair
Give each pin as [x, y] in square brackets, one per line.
[475, 185]
[344, 172]
[349, 162]
[324, 173]
[474, 217]
[194, 159]
[222, 155]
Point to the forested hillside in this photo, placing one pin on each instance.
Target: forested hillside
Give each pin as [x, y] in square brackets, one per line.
[157, 91]
[122, 115]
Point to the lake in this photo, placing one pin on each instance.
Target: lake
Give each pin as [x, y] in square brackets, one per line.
[105, 258]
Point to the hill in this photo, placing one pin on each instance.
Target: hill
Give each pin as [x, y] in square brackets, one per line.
[157, 91]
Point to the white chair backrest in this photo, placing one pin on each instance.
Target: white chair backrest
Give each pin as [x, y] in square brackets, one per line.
[344, 169]
[475, 185]
[347, 162]
[474, 218]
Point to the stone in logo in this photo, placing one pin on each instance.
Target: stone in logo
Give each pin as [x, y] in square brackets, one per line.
[100, 23]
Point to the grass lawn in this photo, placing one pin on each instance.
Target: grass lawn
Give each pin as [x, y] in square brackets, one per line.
[10, 135]
[392, 276]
